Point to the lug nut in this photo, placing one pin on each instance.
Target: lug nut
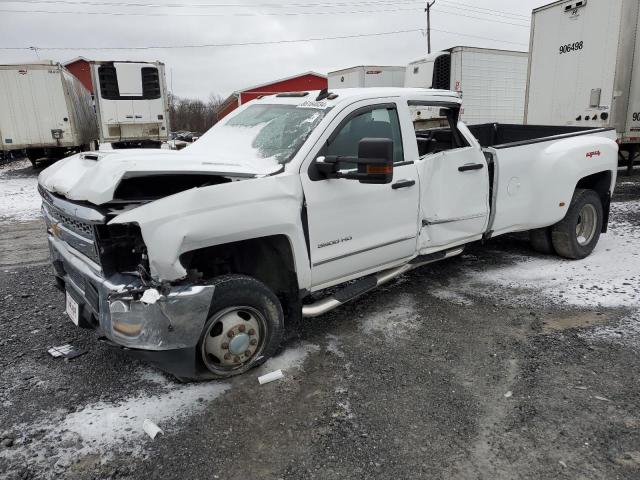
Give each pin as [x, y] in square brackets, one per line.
[242, 328]
[225, 346]
[236, 359]
[253, 341]
[251, 332]
[230, 334]
[227, 356]
[247, 353]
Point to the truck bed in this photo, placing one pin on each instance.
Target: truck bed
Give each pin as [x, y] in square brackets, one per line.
[498, 135]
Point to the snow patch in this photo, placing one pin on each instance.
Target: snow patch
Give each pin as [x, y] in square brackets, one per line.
[609, 277]
[333, 346]
[626, 332]
[103, 427]
[451, 296]
[393, 322]
[291, 358]
[19, 198]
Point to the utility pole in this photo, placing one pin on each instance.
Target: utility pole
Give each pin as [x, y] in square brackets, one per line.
[428, 10]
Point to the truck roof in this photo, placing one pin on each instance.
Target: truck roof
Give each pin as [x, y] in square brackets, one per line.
[350, 95]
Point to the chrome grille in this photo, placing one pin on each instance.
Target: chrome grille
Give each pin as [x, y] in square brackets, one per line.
[73, 224]
[76, 232]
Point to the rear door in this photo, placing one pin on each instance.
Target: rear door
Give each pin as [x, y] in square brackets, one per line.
[454, 180]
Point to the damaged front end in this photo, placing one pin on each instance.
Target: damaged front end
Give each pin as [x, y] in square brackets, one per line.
[105, 270]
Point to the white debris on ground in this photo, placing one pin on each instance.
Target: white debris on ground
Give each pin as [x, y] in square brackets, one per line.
[609, 277]
[394, 320]
[19, 199]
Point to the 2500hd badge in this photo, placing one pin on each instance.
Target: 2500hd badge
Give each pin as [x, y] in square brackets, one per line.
[335, 242]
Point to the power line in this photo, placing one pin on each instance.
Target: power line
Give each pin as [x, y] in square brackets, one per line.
[226, 14]
[211, 45]
[254, 14]
[213, 5]
[488, 10]
[272, 42]
[480, 37]
[457, 14]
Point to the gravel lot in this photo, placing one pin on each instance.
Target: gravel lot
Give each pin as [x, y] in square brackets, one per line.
[499, 364]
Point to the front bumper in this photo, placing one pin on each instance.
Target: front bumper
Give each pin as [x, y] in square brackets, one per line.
[112, 305]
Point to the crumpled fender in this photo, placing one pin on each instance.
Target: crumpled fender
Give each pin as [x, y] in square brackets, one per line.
[219, 214]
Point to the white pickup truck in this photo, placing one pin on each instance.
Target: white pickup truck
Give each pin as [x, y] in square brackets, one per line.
[295, 204]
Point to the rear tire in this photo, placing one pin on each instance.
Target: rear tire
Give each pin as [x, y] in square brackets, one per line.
[245, 327]
[541, 241]
[577, 234]
[34, 155]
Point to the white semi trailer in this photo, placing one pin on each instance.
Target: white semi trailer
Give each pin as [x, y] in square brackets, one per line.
[131, 103]
[584, 68]
[45, 112]
[492, 83]
[367, 76]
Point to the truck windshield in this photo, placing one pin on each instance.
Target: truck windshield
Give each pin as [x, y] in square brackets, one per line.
[260, 133]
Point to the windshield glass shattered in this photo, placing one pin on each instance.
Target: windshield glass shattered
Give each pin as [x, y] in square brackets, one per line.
[260, 133]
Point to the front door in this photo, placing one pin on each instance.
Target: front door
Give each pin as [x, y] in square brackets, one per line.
[357, 228]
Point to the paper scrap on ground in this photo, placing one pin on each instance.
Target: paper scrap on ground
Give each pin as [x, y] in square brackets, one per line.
[151, 428]
[66, 351]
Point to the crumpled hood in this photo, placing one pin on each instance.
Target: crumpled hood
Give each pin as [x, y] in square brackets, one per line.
[83, 177]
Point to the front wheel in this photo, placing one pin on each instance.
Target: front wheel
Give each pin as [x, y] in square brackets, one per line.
[577, 234]
[245, 326]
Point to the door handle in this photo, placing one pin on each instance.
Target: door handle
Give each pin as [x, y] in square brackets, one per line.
[403, 184]
[471, 166]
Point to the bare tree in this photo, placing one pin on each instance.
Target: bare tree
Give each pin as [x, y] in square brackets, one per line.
[192, 114]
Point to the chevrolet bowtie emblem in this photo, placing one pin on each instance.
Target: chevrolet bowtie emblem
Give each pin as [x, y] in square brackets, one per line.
[56, 230]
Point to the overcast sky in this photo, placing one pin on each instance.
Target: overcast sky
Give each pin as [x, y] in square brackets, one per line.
[197, 72]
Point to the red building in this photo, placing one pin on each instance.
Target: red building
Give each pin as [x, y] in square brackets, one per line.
[298, 83]
[79, 67]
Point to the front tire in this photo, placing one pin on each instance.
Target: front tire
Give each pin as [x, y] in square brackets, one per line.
[245, 326]
[577, 234]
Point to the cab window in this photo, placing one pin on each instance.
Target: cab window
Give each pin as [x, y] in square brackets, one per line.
[436, 129]
[379, 122]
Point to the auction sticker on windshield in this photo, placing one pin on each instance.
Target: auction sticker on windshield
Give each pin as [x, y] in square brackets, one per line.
[313, 104]
[72, 309]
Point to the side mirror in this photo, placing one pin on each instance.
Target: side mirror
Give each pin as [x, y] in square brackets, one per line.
[374, 163]
[375, 160]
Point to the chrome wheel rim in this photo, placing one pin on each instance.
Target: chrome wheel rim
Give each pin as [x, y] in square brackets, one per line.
[234, 338]
[587, 224]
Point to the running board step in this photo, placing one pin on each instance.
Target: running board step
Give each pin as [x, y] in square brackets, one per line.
[370, 282]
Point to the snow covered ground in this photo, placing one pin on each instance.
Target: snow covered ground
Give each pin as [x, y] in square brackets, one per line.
[19, 199]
